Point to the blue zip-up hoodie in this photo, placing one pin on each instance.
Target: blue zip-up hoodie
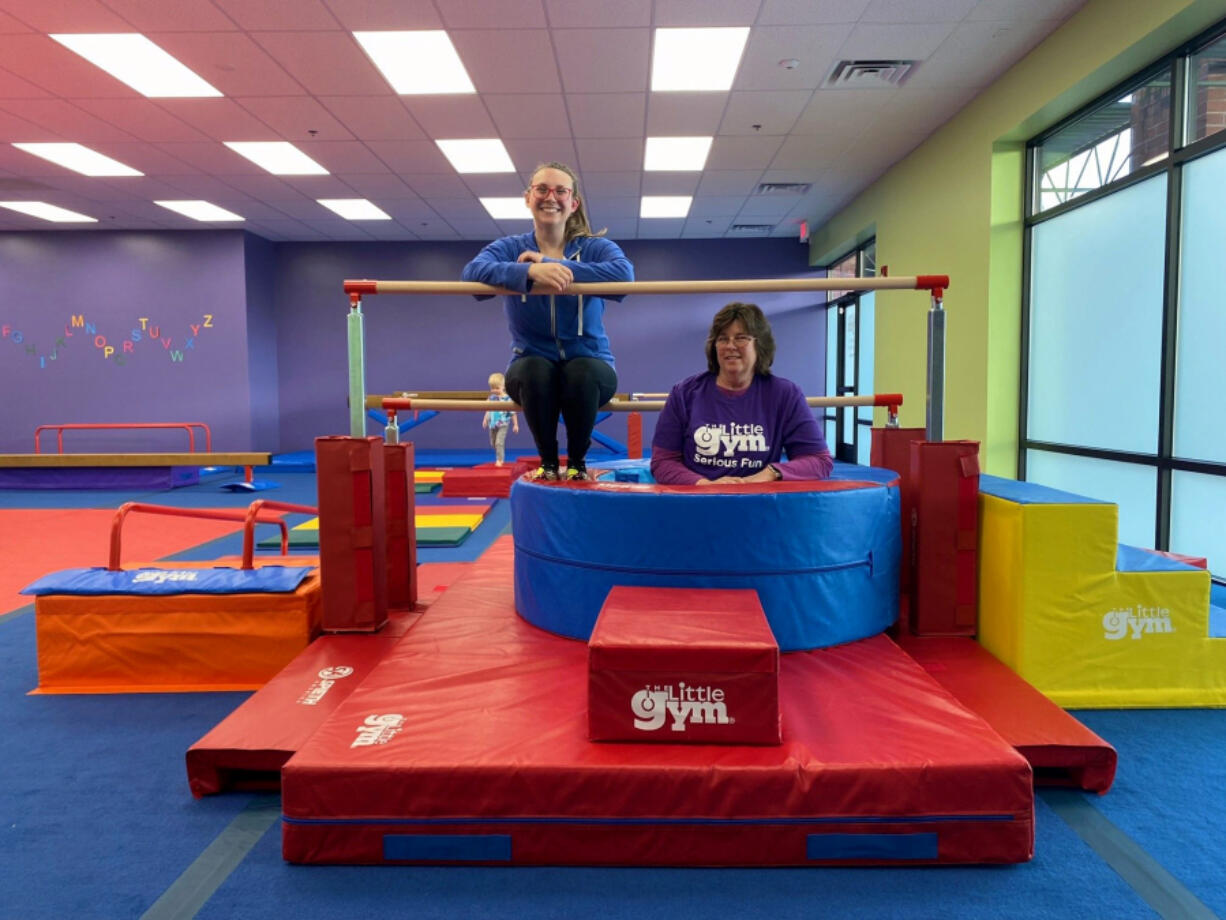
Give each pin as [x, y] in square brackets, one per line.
[553, 326]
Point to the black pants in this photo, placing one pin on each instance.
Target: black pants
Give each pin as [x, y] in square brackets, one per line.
[577, 388]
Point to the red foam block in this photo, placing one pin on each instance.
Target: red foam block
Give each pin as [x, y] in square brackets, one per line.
[683, 665]
[492, 482]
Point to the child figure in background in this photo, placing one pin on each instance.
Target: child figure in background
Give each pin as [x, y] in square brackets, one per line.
[497, 422]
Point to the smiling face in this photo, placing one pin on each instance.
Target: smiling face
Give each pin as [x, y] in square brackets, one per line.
[550, 210]
[736, 353]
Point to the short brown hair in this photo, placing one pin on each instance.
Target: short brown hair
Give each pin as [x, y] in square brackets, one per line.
[755, 323]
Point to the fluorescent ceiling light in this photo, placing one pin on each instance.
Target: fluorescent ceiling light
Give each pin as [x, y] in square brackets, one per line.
[665, 205]
[417, 63]
[47, 212]
[354, 208]
[507, 208]
[696, 59]
[678, 154]
[477, 156]
[199, 210]
[278, 157]
[79, 159]
[138, 62]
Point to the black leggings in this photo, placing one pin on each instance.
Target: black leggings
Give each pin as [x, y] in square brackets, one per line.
[577, 388]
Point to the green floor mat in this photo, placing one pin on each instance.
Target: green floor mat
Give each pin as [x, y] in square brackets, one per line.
[425, 488]
[426, 536]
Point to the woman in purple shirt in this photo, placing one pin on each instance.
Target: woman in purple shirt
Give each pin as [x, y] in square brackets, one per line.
[733, 423]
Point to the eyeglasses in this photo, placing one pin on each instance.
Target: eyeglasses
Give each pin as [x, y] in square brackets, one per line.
[740, 341]
[561, 192]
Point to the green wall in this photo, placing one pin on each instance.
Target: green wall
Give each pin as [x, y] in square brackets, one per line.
[954, 206]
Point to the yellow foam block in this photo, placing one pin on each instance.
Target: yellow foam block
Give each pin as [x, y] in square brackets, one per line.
[448, 520]
[1053, 607]
[428, 475]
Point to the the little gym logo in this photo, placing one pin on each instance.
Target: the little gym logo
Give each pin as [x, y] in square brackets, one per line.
[378, 729]
[687, 704]
[1136, 622]
[324, 682]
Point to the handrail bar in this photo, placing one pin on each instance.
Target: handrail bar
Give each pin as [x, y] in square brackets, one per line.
[253, 511]
[246, 516]
[189, 427]
[643, 405]
[356, 287]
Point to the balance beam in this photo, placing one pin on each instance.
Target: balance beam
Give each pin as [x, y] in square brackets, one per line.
[108, 460]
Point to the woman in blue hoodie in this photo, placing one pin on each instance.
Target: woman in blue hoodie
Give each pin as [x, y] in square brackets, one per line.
[561, 359]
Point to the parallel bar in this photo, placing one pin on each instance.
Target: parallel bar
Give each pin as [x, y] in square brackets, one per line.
[727, 286]
[245, 458]
[642, 405]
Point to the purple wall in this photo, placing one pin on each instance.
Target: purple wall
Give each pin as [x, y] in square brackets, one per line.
[269, 370]
[195, 371]
[453, 343]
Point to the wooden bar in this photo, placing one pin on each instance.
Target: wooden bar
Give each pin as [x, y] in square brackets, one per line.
[727, 286]
[102, 460]
[642, 405]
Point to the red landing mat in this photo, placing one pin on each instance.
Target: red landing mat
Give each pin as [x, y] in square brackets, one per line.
[468, 745]
[1062, 751]
[247, 749]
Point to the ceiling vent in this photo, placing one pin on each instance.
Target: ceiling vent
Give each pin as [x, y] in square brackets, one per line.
[753, 229]
[783, 188]
[869, 74]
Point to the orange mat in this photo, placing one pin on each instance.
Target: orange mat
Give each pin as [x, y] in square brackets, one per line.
[36, 542]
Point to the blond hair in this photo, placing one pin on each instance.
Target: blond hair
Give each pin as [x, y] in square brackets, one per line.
[577, 224]
[497, 380]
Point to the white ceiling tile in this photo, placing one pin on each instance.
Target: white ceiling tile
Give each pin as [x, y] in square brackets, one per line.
[846, 111]
[808, 152]
[607, 114]
[147, 158]
[67, 120]
[814, 47]
[212, 158]
[376, 185]
[382, 15]
[744, 152]
[14, 87]
[729, 183]
[15, 130]
[509, 60]
[141, 118]
[343, 156]
[661, 228]
[296, 118]
[716, 206]
[230, 61]
[301, 208]
[889, 41]
[771, 112]
[764, 208]
[976, 53]
[671, 183]
[610, 154]
[404, 157]
[409, 211]
[326, 63]
[220, 119]
[435, 185]
[180, 16]
[811, 12]
[606, 209]
[271, 15]
[680, 13]
[487, 229]
[603, 60]
[705, 227]
[494, 185]
[1030, 10]
[374, 118]
[66, 16]
[485, 14]
[466, 208]
[198, 186]
[49, 65]
[917, 10]
[528, 114]
[529, 152]
[685, 114]
[435, 230]
[337, 228]
[451, 116]
[572, 14]
[611, 184]
[315, 187]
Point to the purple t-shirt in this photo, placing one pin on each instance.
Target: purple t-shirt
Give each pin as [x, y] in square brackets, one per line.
[718, 434]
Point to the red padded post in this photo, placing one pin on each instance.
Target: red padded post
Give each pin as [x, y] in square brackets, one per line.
[352, 533]
[946, 475]
[634, 436]
[891, 450]
[401, 527]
